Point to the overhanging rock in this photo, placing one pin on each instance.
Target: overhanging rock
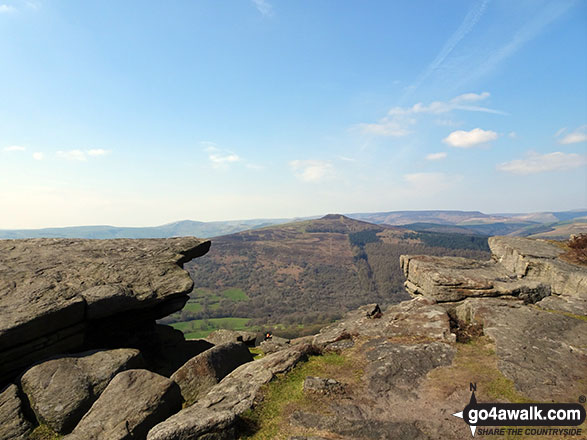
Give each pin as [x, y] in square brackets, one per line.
[54, 291]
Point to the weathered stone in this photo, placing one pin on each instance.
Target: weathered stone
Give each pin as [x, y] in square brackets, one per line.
[213, 416]
[132, 403]
[417, 318]
[357, 428]
[202, 372]
[61, 391]
[539, 260]
[52, 290]
[273, 344]
[223, 336]
[395, 369]
[13, 424]
[319, 385]
[528, 269]
[543, 353]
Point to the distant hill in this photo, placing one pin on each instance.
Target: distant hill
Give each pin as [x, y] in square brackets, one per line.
[175, 229]
[466, 222]
[310, 271]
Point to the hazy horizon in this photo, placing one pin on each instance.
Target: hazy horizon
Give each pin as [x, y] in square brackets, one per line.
[497, 214]
[142, 113]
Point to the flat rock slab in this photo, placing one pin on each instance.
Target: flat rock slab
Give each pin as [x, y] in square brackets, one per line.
[396, 370]
[132, 403]
[202, 372]
[543, 352]
[48, 286]
[419, 318]
[13, 424]
[61, 391]
[359, 428]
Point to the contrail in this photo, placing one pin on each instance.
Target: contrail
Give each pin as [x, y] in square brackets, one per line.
[466, 26]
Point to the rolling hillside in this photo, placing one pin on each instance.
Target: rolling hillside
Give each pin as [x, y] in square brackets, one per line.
[310, 272]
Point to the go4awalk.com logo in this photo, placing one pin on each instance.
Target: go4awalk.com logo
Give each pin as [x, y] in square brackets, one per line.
[535, 418]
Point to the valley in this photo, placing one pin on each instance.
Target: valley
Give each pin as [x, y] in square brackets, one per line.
[294, 278]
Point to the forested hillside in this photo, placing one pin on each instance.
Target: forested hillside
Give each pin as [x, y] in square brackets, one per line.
[308, 273]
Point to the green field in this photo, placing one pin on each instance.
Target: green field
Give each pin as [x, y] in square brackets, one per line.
[200, 328]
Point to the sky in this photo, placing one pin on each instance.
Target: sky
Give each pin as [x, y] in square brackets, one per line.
[141, 113]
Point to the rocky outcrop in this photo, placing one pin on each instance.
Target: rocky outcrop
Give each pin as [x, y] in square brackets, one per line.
[214, 416]
[13, 424]
[53, 292]
[132, 403]
[224, 336]
[538, 346]
[418, 319]
[520, 267]
[202, 372]
[542, 352]
[61, 391]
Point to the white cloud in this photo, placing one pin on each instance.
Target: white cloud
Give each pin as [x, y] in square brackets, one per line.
[579, 135]
[436, 156]
[461, 102]
[312, 170]
[98, 152]
[6, 9]
[14, 148]
[264, 7]
[219, 158]
[538, 163]
[387, 127]
[468, 139]
[72, 155]
[399, 120]
[38, 156]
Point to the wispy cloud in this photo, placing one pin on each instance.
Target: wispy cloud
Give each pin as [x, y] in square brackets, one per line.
[399, 120]
[7, 9]
[14, 148]
[578, 135]
[468, 139]
[469, 22]
[436, 156]
[80, 155]
[219, 158]
[97, 152]
[540, 19]
[538, 163]
[312, 171]
[38, 155]
[264, 7]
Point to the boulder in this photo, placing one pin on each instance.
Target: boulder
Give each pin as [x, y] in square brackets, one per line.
[60, 391]
[213, 416]
[13, 424]
[52, 291]
[223, 336]
[132, 403]
[202, 372]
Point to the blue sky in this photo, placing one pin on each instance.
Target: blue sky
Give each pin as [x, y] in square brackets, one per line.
[143, 112]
